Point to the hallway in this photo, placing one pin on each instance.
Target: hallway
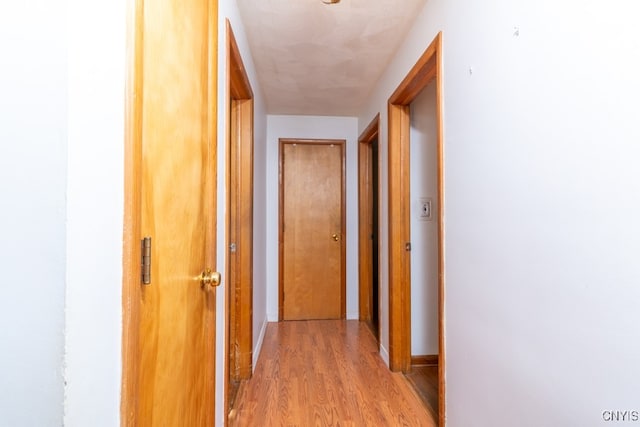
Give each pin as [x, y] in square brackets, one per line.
[325, 373]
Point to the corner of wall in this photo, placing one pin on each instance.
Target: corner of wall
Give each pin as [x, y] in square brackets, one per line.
[384, 353]
[258, 346]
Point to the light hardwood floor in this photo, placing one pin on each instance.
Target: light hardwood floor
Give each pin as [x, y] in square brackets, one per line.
[325, 373]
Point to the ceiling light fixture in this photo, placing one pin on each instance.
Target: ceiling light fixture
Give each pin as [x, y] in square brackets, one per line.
[330, 1]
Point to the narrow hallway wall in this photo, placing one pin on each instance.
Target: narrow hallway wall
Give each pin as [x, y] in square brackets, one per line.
[542, 191]
[229, 10]
[95, 202]
[33, 168]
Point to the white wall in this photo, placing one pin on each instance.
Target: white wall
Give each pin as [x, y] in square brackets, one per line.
[424, 233]
[228, 9]
[33, 165]
[312, 127]
[542, 192]
[95, 194]
[259, 225]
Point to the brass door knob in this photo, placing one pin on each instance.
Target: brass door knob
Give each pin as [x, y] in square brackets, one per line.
[210, 279]
[335, 237]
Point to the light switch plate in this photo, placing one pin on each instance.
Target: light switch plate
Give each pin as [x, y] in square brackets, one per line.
[425, 204]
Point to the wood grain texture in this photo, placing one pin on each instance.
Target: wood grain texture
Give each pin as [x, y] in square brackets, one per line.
[365, 224]
[325, 373]
[173, 358]
[420, 75]
[233, 289]
[427, 68]
[365, 218]
[424, 360]
[239, 297]
[239, 85]
[424, 379]
[399, 237]
[312, 212]
[132, 208]
[441, 235]
[245, 238]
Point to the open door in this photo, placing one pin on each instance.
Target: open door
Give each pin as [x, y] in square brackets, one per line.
[169, 306]
[368, 226]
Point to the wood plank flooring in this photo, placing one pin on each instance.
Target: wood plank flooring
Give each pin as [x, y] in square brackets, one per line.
[425, 380]
[325, 373]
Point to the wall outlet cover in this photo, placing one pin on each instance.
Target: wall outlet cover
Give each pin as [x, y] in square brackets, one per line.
[425, 205]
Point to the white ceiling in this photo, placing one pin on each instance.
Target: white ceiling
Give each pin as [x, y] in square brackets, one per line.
[319, 59]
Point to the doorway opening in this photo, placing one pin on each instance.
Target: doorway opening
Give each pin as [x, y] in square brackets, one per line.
[424, 248]
[428, 68]
[368, 226]
[239, 296]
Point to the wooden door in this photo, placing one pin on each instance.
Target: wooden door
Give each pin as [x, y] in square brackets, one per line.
[368, 213]
[312, 280]
[170, 369]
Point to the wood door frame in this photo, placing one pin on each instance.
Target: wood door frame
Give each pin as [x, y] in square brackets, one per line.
[131, 279]
[365, 213]
[239, 221]
[343, 278]
[426, 69]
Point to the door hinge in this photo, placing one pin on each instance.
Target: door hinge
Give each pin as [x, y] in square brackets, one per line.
[407, 246]
[232, 248]
[145, 263]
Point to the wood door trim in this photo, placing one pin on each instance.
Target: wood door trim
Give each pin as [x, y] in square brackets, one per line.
[239, 216]
[424, 360]
[343, 278]
[426, 69]
[211, 183]
[131, 280]
[371, 131]
[239, 83]
[364, 214]
[132, 215]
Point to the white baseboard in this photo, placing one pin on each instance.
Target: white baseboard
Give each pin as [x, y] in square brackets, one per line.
[384, 354]
[258, 347]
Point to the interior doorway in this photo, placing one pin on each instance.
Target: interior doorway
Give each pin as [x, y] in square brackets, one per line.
[239, 296]
[368, 226]
[424, 247]
[428, 68]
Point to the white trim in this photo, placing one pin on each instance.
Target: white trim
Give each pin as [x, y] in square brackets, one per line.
[258, 346]
[384, 353]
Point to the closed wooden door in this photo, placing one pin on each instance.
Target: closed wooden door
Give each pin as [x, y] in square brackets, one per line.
[312, 280]
[176, 352]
